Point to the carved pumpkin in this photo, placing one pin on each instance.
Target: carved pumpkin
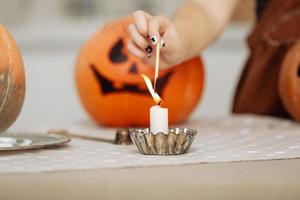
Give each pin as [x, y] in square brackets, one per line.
[113, 92]
[12, 80]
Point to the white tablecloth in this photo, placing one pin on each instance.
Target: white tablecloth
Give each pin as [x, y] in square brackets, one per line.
[268, 147]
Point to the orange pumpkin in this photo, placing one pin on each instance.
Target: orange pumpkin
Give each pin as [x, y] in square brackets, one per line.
[289, 81]
[112, 91]
[12, 80]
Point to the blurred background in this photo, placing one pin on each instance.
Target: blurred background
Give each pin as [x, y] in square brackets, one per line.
[50, 33]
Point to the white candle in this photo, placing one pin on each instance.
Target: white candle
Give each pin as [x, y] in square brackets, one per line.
[159, 120]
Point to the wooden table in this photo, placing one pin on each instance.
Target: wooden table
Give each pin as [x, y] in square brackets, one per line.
[278, 179]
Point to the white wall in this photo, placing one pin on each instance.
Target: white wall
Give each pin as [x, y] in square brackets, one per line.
[49, 35]
[50, 56]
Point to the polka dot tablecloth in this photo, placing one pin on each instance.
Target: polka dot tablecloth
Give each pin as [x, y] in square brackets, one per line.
[238, 138]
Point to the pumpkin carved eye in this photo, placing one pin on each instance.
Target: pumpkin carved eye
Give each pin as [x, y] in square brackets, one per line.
[298, 71]
[116, 55]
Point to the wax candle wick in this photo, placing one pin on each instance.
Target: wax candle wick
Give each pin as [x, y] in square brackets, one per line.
[159, 103]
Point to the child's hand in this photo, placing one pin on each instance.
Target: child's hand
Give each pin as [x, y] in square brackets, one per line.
[147, 31]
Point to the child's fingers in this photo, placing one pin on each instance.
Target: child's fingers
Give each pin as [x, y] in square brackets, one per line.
[135, 50]
[141, 21]
[157, 25]
[137, 38]
[169, 38]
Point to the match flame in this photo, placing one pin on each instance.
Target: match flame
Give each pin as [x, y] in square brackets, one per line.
[155, 96]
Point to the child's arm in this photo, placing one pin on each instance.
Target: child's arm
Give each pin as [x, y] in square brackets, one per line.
[195, 25]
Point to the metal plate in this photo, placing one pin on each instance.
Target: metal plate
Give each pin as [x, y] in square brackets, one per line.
[13, 142]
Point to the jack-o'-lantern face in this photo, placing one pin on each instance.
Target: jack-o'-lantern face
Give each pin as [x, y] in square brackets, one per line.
[131, 82]
[112, 90]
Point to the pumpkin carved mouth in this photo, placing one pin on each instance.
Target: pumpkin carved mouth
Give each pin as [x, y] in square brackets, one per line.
[107, 86]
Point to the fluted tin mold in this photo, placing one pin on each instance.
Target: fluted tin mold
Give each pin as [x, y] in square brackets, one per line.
[177, 141]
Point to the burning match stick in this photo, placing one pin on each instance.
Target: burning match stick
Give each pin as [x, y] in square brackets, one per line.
[158, 115]
[156, 63]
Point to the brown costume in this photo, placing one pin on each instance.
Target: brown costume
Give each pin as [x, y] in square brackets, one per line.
[270, 82]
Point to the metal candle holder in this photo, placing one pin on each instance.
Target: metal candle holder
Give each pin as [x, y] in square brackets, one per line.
[177, 141]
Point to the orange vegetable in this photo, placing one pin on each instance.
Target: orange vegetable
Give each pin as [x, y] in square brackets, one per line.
[12, 80]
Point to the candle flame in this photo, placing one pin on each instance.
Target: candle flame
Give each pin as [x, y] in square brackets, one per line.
[154, 94]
